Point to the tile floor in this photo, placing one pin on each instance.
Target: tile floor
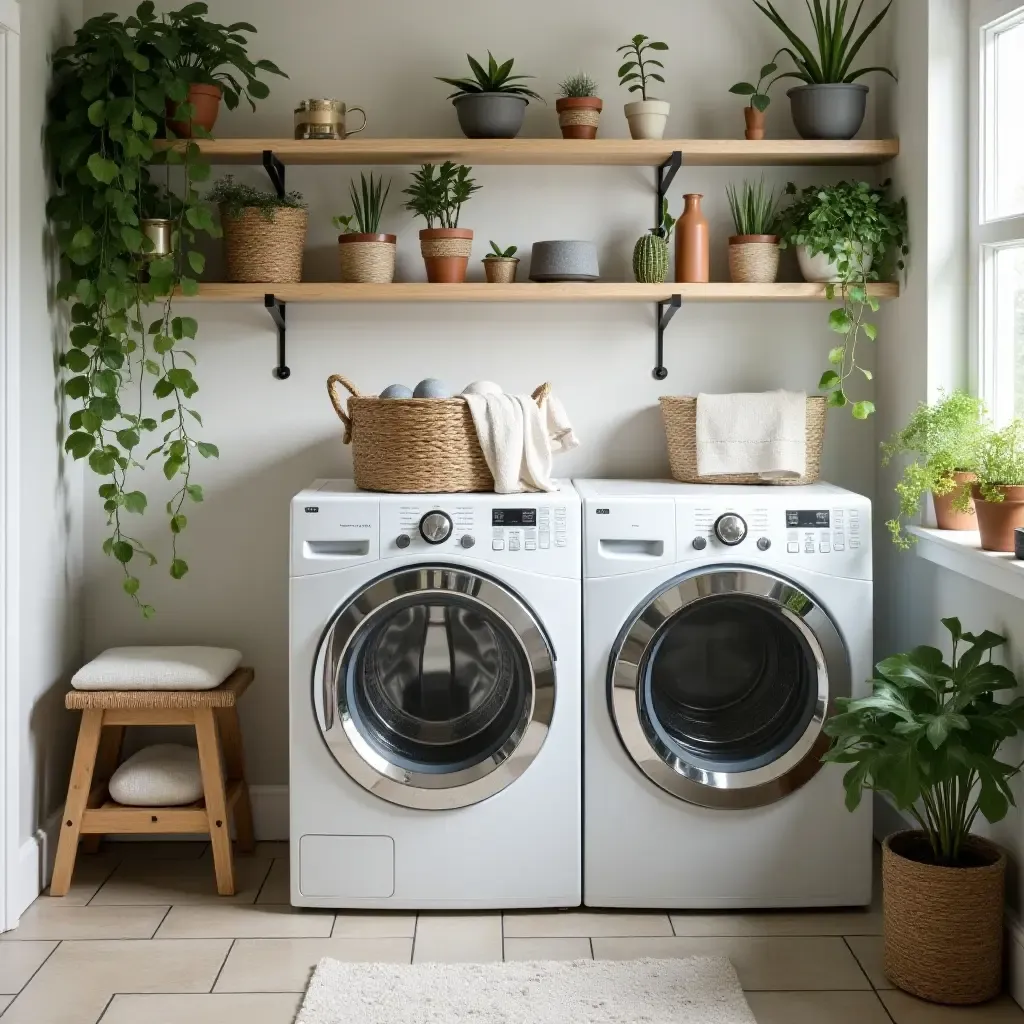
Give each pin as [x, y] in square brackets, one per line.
[143, 937]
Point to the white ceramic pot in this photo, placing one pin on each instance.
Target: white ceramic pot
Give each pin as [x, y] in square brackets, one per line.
[647, 118]
[819, 269]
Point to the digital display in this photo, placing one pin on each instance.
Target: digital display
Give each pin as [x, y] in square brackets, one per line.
[513, 517]
[807, 519]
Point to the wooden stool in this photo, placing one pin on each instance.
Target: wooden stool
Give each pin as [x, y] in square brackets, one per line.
[90, 814]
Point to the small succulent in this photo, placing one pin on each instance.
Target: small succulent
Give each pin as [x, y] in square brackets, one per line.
[496, 78]
[578, 85]
[497, 253]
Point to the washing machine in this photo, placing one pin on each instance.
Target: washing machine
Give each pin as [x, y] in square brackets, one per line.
[435, 699]
[721, 623]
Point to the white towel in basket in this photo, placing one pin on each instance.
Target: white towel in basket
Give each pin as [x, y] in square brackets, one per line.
[763, 434]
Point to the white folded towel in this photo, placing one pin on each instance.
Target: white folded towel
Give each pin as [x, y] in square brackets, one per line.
[763, 434]
[518, 439]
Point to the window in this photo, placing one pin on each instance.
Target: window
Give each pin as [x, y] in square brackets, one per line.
[997, 204]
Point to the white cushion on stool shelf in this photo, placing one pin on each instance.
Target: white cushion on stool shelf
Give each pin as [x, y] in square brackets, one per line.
[157, 668]
[163, 775]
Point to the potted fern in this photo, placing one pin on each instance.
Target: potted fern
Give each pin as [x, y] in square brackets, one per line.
[491, 104]
[928, 738]
[754, 249]
[998, 492]
[945, 440]
[647, 116]
[578, 108]
[367, 256]
[438, 199]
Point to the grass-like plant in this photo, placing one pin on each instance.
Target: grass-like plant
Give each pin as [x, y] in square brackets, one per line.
[755, 208]
[438, 200]
[944, 438]
[834, 40]
[497, 253]
[1000, 464]
[928, 736]
[578, 85]
[634, 70]
[367, 205]
[233, 197]
[495, 78]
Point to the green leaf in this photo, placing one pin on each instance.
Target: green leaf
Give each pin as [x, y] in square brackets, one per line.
[162, 343]
[102, 169]
[135, 501]
[189, 286]
[122, 551]
[127, 438]
[101, 462]
[862, 410]
[743, 89]
[871, 331]
[79, 444]
[178, 523]
[96, 112]
[148, 611]
[197, 261]
[837, 355]
[77, 387]
[829, 379]
[130, 585]
[194, 491]
[836, 399]
[189, 326]
[178, 568]
[76, 360]
[171, 467]
[839, 321]
[207, 450]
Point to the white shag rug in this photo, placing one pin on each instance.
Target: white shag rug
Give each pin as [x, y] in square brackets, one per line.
[699, 990]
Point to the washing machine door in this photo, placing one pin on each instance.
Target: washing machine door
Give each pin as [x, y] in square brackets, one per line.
[434, 687]
[721, 682]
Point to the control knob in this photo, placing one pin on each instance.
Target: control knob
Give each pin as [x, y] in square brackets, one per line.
[730, 529]
[403, 540]
[763, 543]
[436, 527]
[700, 543]
[468, 540]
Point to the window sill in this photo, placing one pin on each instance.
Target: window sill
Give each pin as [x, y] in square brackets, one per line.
[960, 551]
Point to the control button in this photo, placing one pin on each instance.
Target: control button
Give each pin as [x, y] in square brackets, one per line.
[838, 546]
[545, 539]
[513, 542]
[700, 543]
[531, 545]
[763, 543]
[824, 547]
[561, 542]
[403, 540]
[730, 529]
[467, 540]
[793, 548]
[854, 543]
[436, 527]
[498, 545]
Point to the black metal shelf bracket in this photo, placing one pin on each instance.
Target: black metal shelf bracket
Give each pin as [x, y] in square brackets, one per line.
[666, 310]
[278, 310]
[273, 166]
[666, 173]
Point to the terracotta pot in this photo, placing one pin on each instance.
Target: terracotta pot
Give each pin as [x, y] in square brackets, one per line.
[998, 519]
[501, 269]
[578, 116]
[367, 258]
[753, 259]
[947, 517]
[943, 925]
[693, 243]
[446, 253]
[755, 122]
[206, 100]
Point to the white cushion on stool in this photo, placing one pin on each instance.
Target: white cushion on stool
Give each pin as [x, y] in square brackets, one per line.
[163, 775]
[157, 668]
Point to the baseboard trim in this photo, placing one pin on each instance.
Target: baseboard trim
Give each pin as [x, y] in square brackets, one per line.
[35, 863]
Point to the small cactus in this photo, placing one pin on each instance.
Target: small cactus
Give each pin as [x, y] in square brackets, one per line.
[650, 259]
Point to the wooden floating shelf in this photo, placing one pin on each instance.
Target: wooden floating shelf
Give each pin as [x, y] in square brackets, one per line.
[597, 291]
[553, 152]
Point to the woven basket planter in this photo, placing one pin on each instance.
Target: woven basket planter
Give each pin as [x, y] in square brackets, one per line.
[753, 259]
[367, 259]
[680, 417]
[943, 926]
[579, 116]
[500, 269]
[446, 253]
[413, 445]
[263, 251]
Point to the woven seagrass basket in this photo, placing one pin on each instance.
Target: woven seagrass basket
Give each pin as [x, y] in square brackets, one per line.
[413, 445]
[265, 251]
[680, 417]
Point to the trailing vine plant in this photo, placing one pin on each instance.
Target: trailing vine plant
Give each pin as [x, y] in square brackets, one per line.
[113, 87]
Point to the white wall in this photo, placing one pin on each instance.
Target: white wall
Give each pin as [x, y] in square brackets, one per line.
[275, 436]
[51, 541]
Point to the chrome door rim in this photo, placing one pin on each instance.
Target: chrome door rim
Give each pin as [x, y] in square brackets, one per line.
[662, 765]
[364, 763]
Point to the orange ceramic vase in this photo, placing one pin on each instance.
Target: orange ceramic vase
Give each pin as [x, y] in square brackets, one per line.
[693, 243]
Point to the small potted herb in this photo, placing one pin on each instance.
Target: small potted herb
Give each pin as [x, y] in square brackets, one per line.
[945, 440]
[500, 265]
[647, 116]
[491, 104]
[264, 234]
[366, 255]
[650, 254]
[578, 108]
[754, 249]
[928, 737]
[754, 111]
[438, 199]
[998, 492]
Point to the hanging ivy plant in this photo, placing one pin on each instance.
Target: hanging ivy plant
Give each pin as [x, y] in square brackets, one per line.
[111, 91]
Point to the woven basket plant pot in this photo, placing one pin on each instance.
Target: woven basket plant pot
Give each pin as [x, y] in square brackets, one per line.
[446, 253]
[998, 519]
[680, 417]
[500, 269]
[265, 251]
[367, 259]
[943, 925]
[579, 116]
[753, 259]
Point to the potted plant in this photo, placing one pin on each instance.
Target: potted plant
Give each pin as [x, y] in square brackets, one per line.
[928, 737]
[754, 249]
[578, 108]
[366, 255]
[831, 103]
[846, 235]
[650, 254]
[500, 265]
[264, 233]
[754, 111]
[998, 492]
[945, 440]
[207, 57]
[647, 116]
[446, 247]
[491, 104]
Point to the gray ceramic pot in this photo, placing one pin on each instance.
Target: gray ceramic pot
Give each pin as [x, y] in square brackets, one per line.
[490, 115]
[828, 111]
[564, 261]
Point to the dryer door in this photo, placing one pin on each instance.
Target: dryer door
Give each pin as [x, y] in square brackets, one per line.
[720, 684]
[434, 687]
